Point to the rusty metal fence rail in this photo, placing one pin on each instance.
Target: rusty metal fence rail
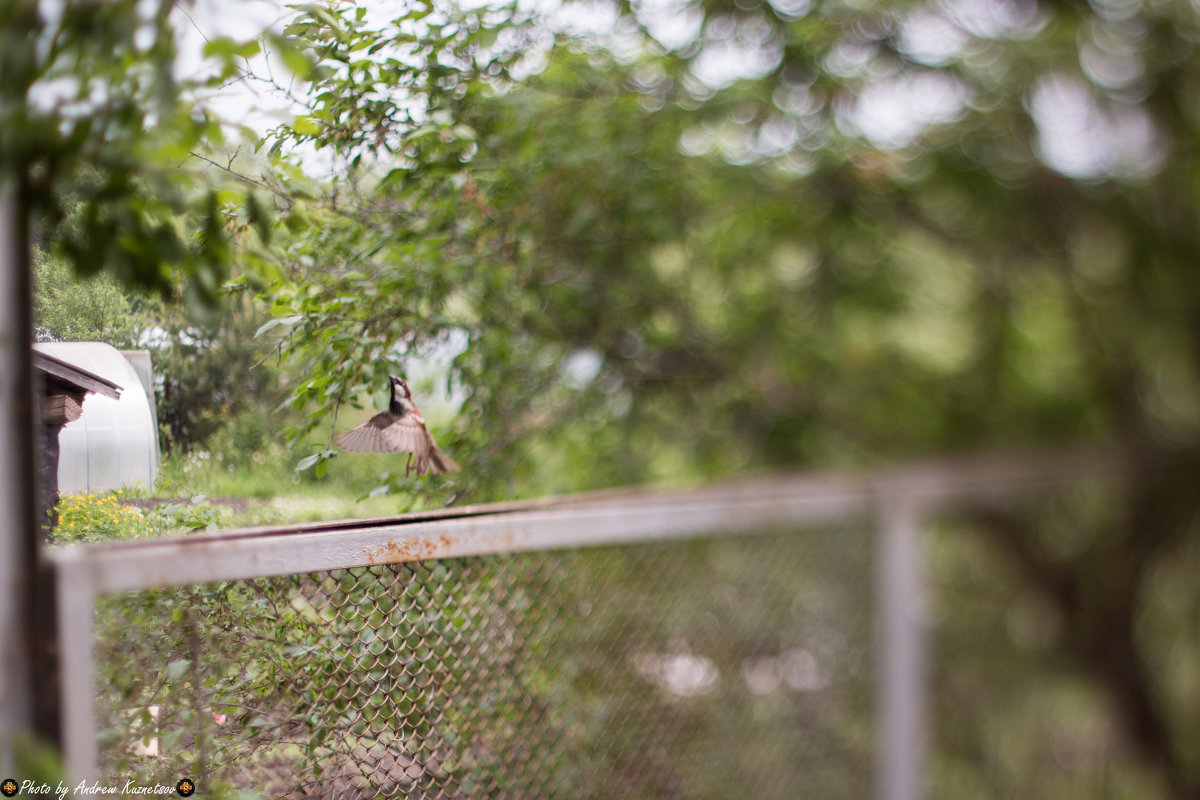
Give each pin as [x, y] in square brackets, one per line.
[760, 638]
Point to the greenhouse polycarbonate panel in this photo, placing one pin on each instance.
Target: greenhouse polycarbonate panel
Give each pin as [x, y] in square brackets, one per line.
[705, 668]
[143, 367]
[115, 443]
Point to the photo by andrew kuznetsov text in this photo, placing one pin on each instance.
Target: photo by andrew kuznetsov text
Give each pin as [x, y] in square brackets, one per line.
[62, 790]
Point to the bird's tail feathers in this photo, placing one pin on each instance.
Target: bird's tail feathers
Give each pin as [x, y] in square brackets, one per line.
[439, 462]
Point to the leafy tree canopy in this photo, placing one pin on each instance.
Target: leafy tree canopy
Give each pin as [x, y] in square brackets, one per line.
[68, 309]
[756, 270]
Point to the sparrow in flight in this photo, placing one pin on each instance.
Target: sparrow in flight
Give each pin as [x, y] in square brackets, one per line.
[400, 429]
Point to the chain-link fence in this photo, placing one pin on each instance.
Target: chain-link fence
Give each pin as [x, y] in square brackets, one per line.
[761, 639]
[714, 667]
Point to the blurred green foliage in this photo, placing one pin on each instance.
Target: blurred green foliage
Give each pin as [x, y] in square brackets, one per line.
[95, 136]
[901, 228]
[158, 717]
[651, 286]
[214, 389]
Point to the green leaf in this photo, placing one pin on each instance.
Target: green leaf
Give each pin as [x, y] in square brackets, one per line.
[292, 56]
[307, 462]
[225, 47]
[280, 322]
[306, 126]
[327, 17]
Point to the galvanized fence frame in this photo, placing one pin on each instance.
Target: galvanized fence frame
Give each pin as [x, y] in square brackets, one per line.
[898, 500]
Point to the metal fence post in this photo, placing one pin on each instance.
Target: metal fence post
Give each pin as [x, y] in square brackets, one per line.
[902, 652]
[77, 663]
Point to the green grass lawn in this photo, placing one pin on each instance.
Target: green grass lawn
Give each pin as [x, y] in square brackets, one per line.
[204, 490]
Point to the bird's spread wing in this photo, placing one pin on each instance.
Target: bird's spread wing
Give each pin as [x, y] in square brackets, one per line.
[368, 437]
[408, 435]
[386, 433]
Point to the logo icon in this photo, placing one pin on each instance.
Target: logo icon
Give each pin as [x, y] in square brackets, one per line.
[185, 788]
[8, 788]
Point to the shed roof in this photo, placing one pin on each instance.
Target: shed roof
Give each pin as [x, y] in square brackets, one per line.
[72, 375]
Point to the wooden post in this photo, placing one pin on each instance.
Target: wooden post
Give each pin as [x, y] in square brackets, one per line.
[18, 533]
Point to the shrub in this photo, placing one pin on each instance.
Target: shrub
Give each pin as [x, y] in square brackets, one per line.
[99, 517]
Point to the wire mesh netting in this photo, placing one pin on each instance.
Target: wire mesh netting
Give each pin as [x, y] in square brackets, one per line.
[708, 668]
